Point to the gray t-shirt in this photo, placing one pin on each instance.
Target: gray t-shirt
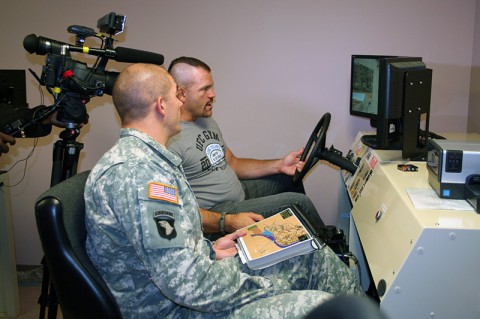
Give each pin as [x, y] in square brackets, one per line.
[201, 147]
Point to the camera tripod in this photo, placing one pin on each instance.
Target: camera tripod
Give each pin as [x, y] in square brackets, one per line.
[66, 152]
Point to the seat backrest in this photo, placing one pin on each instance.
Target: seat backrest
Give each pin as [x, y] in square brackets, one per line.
[60, 216]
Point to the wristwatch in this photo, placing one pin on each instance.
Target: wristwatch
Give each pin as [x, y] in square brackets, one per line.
[222, 223]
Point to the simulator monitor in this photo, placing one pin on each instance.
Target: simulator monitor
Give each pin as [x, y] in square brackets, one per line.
[13, 88]
[394, 93]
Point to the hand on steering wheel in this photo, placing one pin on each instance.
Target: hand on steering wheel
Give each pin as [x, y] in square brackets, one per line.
[314, 148]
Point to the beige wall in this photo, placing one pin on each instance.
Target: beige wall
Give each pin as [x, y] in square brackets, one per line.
[474, 104]
[278, 65]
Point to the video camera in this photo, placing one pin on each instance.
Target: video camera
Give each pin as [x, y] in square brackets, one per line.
[72, 83]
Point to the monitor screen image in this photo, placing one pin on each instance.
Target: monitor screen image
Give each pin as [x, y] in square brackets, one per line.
[364, 85]
[13, 88]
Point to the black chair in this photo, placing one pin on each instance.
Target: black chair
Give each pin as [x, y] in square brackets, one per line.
[347, 307]
[79, 288]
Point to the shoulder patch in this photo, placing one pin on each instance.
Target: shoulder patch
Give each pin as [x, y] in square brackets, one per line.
[163, 192]
[165, 224]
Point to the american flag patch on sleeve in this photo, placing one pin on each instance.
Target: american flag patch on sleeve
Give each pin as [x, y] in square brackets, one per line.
[164, 192]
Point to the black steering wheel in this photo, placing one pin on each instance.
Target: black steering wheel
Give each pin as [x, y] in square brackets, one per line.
[317, 140]
[315, 150]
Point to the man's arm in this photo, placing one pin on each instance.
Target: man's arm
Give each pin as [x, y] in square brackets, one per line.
[211, 221]
[249, 168]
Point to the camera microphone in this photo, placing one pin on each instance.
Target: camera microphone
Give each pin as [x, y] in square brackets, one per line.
[137, 56]
[42, 46]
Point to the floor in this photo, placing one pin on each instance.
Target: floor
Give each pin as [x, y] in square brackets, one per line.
[29, 307]
[29, 290]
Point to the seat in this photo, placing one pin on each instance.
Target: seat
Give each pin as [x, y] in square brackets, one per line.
[79, 288]
[347, 307]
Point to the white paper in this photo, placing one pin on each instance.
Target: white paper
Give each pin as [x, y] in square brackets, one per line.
[427, 198]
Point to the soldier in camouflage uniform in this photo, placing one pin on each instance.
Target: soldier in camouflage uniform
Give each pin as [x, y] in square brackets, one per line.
[145, 230]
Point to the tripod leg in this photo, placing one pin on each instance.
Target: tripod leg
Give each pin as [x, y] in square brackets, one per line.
[57, 165]
[65, 160]
[48, 297]
[44, 299]
[53, 303]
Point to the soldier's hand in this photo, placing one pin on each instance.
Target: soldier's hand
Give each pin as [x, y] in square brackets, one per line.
[225, 246]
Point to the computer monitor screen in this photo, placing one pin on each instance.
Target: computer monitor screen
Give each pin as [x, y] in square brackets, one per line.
[394, 93]
[13, 89]
[365, 79]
